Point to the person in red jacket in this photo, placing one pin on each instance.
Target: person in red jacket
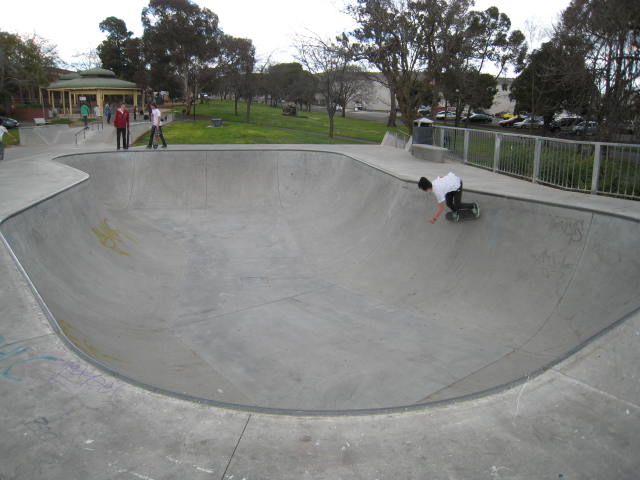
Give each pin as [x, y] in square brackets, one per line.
[121, 122]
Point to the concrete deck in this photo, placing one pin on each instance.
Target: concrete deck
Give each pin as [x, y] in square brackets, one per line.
[334, 242]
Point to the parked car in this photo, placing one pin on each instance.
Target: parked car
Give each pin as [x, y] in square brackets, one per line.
[585, 128]
[564, 123]
[509, 122]
[424, 110]
[446, 116]
[9, 122]
[529, 123]
[481, 118]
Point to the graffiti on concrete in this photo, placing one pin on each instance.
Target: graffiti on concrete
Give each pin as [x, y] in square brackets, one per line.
[11, 355]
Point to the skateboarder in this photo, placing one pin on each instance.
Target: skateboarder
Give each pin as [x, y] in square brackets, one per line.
[448, 189]
[156, 127]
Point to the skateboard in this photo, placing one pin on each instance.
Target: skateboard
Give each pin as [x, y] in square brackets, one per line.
[463, 215]
[156, 138]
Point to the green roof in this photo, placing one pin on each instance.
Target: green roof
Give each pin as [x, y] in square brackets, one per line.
[92, 78]
[92, 83]
[69, 76]
[97, 72]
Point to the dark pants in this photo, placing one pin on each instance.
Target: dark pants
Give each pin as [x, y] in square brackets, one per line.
[153, 131]
[122, 132]
[454, 200]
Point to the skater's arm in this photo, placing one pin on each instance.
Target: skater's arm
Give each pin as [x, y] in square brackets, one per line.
[438, 212]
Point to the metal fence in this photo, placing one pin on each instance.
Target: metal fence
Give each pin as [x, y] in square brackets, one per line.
[595, 167]
[91, 126]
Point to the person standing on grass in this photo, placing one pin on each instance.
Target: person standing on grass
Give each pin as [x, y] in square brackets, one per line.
[121, 122]
[156, 125]
[3, 130]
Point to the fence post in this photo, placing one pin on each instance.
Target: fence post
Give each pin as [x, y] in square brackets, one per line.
[537, 155]
[465, 157]
[496, 153]
[595, 175]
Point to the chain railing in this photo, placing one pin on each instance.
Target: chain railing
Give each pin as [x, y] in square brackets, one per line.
[594, 167]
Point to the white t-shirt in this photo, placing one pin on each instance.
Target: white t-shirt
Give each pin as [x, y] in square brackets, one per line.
[3, 130]
[443, 185]
[157, 115]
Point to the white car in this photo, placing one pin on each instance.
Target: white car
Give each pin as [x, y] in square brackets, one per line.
[529, 123]
[446, 115]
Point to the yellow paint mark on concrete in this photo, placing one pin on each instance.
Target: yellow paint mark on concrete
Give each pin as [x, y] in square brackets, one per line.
[109, 237]
[71, 333]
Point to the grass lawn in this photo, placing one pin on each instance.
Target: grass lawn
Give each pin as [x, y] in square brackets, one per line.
[268, 125]
[199, 132]
[7, 140]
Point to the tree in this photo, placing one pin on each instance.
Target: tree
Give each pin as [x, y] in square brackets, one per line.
[184, 36]
[303, 89]
[420, 45]
[120, 52]
[281, 81]
[490, 40]
[354, 80]
[610, 34]
[236, 64]
[411, 43]
[331, 63]
[556, 78]
[288, 82]
[468, 87]
[24, 65]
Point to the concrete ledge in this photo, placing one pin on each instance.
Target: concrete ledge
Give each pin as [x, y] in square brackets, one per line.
[395, 141]
[430, 153]
[43, 134]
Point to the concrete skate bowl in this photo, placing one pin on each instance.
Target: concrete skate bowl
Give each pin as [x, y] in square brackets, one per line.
[309, 282]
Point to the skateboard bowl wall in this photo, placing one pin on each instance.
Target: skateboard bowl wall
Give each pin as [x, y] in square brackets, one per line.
[301, 281]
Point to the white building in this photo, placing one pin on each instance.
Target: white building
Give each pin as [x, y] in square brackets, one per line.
[378, 96]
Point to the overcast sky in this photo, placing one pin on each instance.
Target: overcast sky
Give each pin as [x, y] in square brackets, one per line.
[72, 25]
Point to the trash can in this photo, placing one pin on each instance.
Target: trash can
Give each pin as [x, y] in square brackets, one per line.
[216, 122]
[423, 131]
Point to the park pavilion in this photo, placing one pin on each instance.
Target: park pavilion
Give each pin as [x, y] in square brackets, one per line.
[96, 86]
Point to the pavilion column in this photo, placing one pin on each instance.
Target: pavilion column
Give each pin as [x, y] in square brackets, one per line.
[100, 101]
